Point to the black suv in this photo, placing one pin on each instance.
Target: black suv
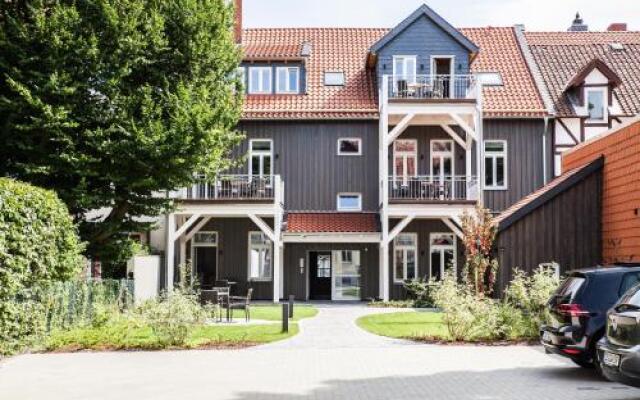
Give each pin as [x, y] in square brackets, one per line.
[578, 310]
[619, 350]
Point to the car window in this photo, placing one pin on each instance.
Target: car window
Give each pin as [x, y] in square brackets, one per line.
[569, 289]
[629, 280]
[632, 297]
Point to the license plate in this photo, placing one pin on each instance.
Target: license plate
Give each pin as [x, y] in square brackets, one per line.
[610, 359]
[546, 337]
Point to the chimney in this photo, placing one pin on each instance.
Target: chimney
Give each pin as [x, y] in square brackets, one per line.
[617, 27]
[237, 25]
[578, 25]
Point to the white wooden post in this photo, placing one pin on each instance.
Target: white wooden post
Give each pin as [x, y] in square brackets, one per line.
[384, 189]
[170, 250]
[468, 167]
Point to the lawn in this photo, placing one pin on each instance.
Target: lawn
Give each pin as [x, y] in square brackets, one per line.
[131, 335]
[273, 312]
[410, 325]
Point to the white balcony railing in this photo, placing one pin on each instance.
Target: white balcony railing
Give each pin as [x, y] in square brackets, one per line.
[426, 87]
[433, 188]
[235, 187]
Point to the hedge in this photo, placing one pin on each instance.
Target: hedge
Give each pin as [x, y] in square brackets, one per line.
[39, 244]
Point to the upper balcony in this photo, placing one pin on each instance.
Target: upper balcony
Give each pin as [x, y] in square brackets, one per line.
[431, 88]
[430, 189]
[239, 191]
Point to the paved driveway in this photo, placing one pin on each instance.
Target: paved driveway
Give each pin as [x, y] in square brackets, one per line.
[330, 359]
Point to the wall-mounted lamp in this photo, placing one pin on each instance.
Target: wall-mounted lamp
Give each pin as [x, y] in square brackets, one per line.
[422, 67]
[384, 66]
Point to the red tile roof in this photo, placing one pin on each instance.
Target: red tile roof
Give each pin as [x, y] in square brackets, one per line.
[500, 52]
[332, 49]
[332, 222]
[346, 49]
[561, 55]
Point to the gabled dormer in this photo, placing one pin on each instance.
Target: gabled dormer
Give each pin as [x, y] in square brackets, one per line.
[423, 55]
[591, 92]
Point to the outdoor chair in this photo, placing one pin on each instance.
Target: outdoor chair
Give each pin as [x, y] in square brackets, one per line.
[221, 283]
[240, 303]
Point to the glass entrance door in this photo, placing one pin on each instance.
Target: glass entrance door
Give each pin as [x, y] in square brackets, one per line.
[346, 275]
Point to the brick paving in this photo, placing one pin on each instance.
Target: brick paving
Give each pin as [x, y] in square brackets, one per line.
[330, 359]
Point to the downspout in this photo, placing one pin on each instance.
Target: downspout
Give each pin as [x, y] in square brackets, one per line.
[543, 91]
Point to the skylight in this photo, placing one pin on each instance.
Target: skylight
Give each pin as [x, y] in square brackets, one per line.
[490, 78]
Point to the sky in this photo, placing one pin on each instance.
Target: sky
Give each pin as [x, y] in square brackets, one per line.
[550, 15]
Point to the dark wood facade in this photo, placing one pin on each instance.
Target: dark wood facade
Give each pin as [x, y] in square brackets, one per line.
[529, 146]
[306, 157]
[562, 225]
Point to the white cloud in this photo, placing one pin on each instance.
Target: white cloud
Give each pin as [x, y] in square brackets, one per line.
[535, 14]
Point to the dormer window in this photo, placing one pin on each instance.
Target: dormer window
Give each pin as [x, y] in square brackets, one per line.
[596, 101]
[259, 80]
[287, 80]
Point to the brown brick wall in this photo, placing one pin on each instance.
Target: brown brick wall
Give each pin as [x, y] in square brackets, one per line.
[621, 189]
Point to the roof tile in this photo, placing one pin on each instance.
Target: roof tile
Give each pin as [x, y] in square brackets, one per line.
[332, 222]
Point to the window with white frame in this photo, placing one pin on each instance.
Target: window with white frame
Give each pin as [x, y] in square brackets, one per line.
[404, 69]
[495, 164]
[260, 259]
[349, 202]
[405, 160]
[205, 238]
[334, 78]
[405, 257]
[596, 99]
[349, 147]
[287, 79]
[260, 157]
[260, 80]
[442, 251]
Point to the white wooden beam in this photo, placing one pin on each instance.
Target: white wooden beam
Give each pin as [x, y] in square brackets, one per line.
[399, 227]
[398, 129]
[454, 135]
[453, 227]
[470, 131]
[263, 227]
[186, 226]
[197, 227]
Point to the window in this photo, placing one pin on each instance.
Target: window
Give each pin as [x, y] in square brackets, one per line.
[405, 256]
[442, 160]
[260, 157]
[442, 250]
[349, 202]
[334, 78]
[259, 80]
[629, 280]
[203, 238]
[349, 147]
[596, 104]
[240, 74]
[404, 68]
[259, 257]
[495, 164]
[287, 79]
[405, 160]
[323, 269]
[346, 256]
[490, 78]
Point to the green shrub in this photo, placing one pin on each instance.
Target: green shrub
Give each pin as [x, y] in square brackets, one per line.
[173, 317]
[39, 244]
[419, 290]
[529, 295]
[470, 317]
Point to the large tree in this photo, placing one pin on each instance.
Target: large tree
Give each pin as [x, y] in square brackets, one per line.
[109, 102]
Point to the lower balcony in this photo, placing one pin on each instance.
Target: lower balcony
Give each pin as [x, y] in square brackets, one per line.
[429, 189]
[234, 188]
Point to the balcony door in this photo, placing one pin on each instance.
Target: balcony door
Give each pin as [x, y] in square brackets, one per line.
[404, 73]
[442, 73]
[405, 160]
[442, 167]
[261, 161]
